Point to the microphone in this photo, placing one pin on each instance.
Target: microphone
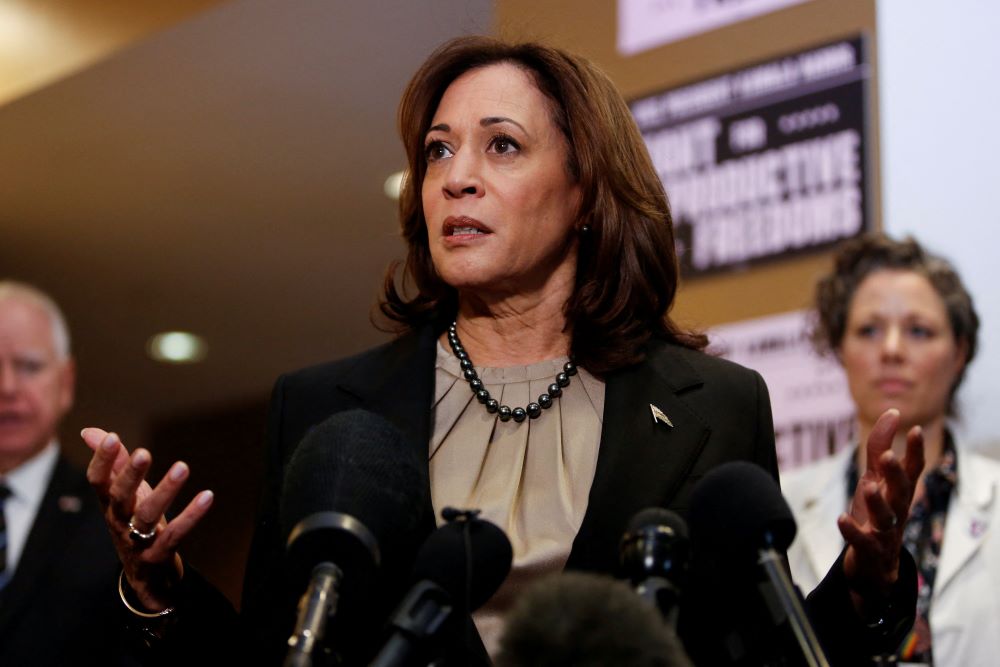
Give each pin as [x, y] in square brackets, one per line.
[654, 555]
[582, 618]
[353, 490]
[458, 568]
[740, 528]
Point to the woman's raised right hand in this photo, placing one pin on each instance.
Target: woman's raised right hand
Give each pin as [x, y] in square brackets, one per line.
[135, 513]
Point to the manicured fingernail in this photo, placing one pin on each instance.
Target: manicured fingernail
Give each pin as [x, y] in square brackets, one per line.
[110, 442]
[177, 471]
[140, 458]
[205, 498]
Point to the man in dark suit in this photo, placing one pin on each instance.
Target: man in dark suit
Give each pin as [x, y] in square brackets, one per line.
[58, 602]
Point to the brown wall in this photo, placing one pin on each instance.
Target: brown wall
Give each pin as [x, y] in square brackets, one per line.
[224, 446]
[588, 27]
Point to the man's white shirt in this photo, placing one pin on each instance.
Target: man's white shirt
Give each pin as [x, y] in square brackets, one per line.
[27, 483]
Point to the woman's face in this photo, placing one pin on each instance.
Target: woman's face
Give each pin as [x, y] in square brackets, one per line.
[898, 349]
[499, 201]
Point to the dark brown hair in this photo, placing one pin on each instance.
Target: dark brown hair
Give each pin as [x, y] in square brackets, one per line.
[627, 271]
[856, 259]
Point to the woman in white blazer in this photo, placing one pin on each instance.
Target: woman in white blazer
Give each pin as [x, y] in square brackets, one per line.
[904, 328]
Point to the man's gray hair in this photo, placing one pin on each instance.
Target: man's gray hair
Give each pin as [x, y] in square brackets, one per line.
[11, 289]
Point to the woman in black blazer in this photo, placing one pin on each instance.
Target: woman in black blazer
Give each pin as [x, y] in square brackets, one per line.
[537, 368]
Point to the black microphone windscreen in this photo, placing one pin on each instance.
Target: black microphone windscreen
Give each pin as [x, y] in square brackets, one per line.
[442, 560]
[655, 544]
[655, 517]
[587, 620]
[357, 463]
[738, 508]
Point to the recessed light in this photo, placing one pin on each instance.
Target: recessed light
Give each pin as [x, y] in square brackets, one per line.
[177, 347]
[394, 184]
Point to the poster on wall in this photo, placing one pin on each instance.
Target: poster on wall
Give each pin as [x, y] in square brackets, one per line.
[644, 24]
[766, 161]
[812, 408]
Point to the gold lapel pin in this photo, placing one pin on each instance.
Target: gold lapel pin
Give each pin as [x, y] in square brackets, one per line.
[659, 416]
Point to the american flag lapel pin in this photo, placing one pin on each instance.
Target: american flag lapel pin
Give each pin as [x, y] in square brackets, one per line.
[660, 416]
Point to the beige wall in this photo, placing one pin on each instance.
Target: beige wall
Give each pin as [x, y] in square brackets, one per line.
[42, 41]
[588, 27]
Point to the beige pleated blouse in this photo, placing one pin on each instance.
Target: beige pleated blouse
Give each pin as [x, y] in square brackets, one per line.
[532, 479]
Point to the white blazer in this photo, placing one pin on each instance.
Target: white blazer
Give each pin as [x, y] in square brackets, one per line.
[965, 605]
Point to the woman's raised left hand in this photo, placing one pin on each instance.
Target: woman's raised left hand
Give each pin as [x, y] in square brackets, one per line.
[873, 527]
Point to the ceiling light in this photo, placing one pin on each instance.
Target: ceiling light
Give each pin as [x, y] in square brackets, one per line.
[177, 347]
[394, 184]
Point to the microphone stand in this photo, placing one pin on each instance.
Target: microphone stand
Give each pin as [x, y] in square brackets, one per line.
[774, 566]
[316, 606]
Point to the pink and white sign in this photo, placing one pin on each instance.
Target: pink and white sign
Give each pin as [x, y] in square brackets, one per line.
[644, 24]
[813, 411]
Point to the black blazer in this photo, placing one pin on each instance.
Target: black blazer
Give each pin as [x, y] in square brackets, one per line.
[62, 607]
[720, 412]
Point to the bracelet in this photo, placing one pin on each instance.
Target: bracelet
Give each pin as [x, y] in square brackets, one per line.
[144, 614]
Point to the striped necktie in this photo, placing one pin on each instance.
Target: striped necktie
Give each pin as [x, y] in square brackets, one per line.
[4, 575]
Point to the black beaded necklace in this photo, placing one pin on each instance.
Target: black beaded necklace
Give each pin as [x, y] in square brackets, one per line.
[532, 410]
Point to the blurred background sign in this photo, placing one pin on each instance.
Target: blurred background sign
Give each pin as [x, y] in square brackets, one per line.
[765, 161]
[644, 24]
[813, 410]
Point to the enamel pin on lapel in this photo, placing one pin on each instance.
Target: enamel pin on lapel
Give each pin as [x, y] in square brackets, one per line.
[72, 504]
[659, 416]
